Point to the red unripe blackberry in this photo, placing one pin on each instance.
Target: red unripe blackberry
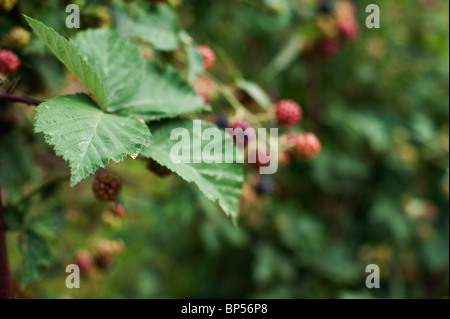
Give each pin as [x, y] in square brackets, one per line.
[118, 211]
[204, 88]
[106, 187]
[83, 261]
[158, 169]
[241, 138]
[307, 146]
[208, 55]
[9, 62]
[288, 112]
[349, 29]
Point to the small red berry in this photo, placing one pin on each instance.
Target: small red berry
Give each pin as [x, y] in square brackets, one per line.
[307, 146]
[106, 187]
[288, 148]
[7, 5]
[349, 30]
[288, 112]
[208, 55]
[158, 169]
[9, 62]
[118, 211]
[242, 133]
[83, 261]
[204, 87]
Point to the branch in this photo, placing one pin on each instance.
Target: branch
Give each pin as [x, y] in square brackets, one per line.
[6, 288]
[18, 99]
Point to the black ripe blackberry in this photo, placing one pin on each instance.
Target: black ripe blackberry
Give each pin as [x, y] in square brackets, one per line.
[222, 121]
[264, 186]
[325, 7]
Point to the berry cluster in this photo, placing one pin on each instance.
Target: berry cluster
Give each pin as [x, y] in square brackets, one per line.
[286, 113]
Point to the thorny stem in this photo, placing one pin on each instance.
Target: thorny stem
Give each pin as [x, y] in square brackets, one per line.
[18, 99]
[6, 287]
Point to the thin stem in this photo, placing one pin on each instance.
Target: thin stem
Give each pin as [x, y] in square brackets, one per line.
[6, 287]
[18, 99]
[241, 111]
[48, 185]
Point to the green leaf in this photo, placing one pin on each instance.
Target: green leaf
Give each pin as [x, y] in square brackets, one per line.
[255, 92]
[16, 162]
[116, 60]
[220, 182]
[195, 63]
[15, 215]
[36, 258]
[47, 224]
[72, 59]
[162, 94]
[158, 27]
[87, 137]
